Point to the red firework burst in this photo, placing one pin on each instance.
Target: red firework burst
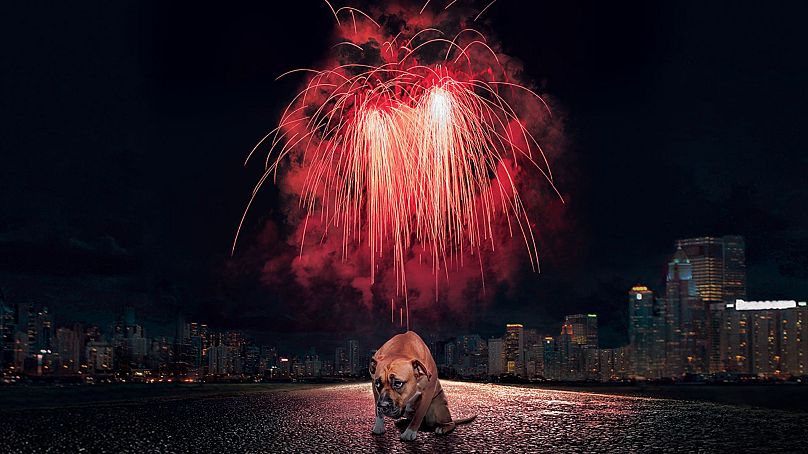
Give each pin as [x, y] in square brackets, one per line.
[408, 152]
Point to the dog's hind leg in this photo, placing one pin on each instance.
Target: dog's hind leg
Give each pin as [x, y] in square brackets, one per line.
[445, 428]
[438, 415]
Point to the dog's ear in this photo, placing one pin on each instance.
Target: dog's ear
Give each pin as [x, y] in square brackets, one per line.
[421, 370]
[372, 366]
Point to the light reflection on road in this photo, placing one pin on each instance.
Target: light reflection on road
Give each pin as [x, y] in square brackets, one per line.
[339, 418]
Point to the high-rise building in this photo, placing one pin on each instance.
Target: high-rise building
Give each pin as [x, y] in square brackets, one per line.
[356, 365]
[496, 355]
[68, 348]
[642, 333]
[768, 338]
[99, 355]
[584, 329]
[129, 341]
[327, 368]
[552, 365]
[685, 319]
[449, 354]
[534, 354]
[514, 344]
[218, 359]
[198, 344]
[236, 343]
[614, 363]
[41, 330]
[7, 329]
[252, 359]
[578, 344]
[719, 271]
[471, 356]
[269, 359]
[312, 365]
[569, 355]
[719, 267]
[342, 365]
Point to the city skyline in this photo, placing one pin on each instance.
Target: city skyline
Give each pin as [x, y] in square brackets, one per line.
[699, 276]
[699, 326]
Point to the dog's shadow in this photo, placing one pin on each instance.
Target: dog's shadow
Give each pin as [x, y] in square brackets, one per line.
[401, 425]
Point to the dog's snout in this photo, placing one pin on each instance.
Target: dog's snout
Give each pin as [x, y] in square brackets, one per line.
[387, 407]
[385, 402]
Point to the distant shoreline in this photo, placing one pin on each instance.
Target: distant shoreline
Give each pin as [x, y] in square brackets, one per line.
[786, 397]
[16, 398]
[780, 396]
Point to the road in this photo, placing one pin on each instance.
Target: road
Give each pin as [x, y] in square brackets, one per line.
[339, 418]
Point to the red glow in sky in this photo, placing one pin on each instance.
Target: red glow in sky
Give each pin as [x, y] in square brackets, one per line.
[406, 153]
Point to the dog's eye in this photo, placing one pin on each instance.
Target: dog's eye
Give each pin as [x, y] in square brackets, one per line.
[398, 384]
[378, 383]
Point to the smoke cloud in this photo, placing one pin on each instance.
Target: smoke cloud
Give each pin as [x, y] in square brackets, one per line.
[326, 280]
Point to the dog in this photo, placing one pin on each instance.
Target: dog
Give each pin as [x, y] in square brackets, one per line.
[406, 388]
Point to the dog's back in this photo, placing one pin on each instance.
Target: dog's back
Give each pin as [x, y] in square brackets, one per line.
[408, 345]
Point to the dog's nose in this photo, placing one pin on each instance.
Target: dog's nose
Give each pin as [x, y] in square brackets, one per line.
[384, 403]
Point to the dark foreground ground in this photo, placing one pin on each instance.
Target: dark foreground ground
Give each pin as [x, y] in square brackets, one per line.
[338, 418]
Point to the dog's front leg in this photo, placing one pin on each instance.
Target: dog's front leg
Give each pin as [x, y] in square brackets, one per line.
[421, 406]
[409, 411]
[412, 405]
[378, 426]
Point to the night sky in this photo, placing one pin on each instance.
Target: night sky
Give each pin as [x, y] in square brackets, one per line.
[125, 124]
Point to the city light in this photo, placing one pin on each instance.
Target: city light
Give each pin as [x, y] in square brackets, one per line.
[742, 305]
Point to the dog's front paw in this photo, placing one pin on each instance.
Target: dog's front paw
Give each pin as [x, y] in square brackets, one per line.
[409, 435]
[378, 428]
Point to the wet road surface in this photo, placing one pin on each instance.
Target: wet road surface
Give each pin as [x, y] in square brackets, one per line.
[339, 418]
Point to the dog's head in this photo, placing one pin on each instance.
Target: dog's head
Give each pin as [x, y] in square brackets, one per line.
[395, 382]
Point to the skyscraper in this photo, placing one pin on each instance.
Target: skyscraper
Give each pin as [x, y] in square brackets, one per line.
[552, 365]
[766, 337]
[68, 347]
[568, 354]
[7, 329]
[356, 366]
[641, 330]
[584, 329]
[496, 354]
[719, 267]
[472, 355]
[342, 365]
[578, 347]
[449, 354]
[534, 354]
[515, 349]
[685, 320]
[719, 271]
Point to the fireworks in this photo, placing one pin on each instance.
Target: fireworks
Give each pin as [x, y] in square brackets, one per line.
[412, 150]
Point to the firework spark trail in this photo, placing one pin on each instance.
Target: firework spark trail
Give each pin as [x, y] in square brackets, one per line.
[406, 152]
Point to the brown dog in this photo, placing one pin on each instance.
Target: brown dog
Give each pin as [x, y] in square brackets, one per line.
[406, 387]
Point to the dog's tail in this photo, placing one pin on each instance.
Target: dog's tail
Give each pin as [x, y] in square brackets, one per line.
[465, 420]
